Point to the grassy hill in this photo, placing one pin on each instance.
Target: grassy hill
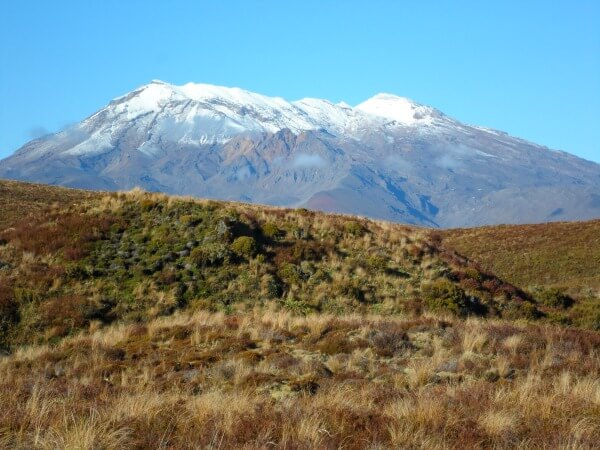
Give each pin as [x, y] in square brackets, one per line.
[557, 263]
[130, 257]
[18, 200]
[137, 319]
[564, 255]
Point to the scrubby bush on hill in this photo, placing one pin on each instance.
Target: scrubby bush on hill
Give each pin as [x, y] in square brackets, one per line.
[244, 246]
[443, 295]
[554, 298]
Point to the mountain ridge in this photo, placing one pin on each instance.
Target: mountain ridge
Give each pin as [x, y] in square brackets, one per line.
[388, 157]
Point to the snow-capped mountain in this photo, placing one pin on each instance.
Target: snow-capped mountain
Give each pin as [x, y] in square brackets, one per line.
[388, 157]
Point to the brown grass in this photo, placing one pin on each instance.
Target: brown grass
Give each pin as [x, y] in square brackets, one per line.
[121, 358]
[564, 255]
[262, 380]
[18, 200]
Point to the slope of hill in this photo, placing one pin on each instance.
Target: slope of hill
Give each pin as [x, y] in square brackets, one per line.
[556, 255]
[422, 166]
[18, 200]
[140, 320]
[131, 256]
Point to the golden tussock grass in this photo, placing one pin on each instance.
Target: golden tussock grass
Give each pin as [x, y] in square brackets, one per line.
[262, 379]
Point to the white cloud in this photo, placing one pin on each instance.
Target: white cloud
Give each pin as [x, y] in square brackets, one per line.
[308, 160]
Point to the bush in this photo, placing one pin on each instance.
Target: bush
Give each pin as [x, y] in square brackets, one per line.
[291, 274]
[443, 295]
[520, 309]
[354, 228]
[244, 246]
[377, 263]
[210, 254]
[473, 274]
[554, 298]
[271, 230]
[271, 286]
[586, 314]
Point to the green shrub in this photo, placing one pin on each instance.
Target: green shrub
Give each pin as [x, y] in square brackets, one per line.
[244, 246]
[271, 230]
[190, 220]
[586, 314]
[443, 295]
[519, 309]
[354, 228]
[298, 306]
[554, 298]
[271, 286]
[377, 263]
[291, 274]
[473, 274]
[210, 254]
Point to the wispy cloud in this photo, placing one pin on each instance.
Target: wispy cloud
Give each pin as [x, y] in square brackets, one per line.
[448, 162]
[37, 131]
[308, 160]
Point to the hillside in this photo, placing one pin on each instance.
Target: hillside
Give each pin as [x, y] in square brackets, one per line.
[133, 256]
[18, 200]
[265, 379]
[137, 319]
[563, 255]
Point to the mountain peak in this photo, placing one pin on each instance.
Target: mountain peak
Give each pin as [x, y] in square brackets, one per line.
[157, 81]
[400, 109]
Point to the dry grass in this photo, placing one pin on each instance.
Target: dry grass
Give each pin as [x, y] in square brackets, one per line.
[18, 200]
[564, 255]
[321, 340]
[260, 380]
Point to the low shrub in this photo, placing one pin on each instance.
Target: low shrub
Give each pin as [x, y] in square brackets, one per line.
[586, 314]
[377, 263]
[554, 298]
[520, 309]
[354, 228]
[291, 274]
[271, 230]
[210, 254]
[443, 295]
[271, 286]
[244, 246]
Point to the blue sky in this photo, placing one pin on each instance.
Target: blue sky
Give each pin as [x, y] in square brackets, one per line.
[526, 67]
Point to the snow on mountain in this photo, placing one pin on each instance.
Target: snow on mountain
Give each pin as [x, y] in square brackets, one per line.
[389, 157]
[206, 113]
[400, 109]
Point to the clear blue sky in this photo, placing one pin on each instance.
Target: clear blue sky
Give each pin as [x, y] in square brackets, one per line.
[531, 68]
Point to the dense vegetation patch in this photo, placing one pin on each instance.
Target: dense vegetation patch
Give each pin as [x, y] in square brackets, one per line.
[134, 256]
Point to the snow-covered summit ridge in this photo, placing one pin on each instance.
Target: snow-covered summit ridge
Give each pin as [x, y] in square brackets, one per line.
[255, 112]
[400, 109]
